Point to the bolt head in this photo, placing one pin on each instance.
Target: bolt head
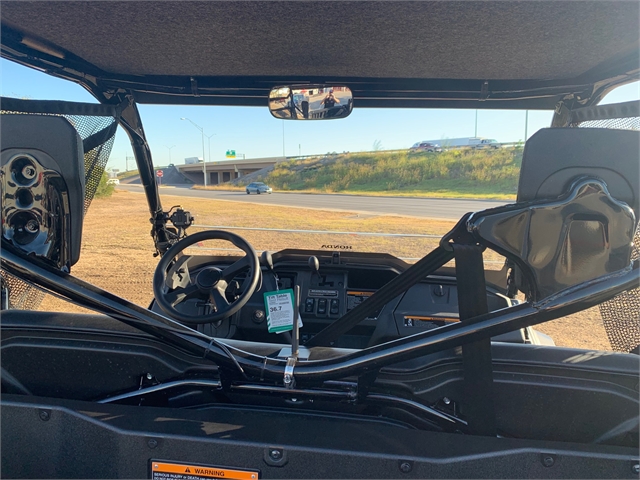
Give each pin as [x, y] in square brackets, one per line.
[149, 376]
[152, 443]
[287, 379]
[44, 415]
[548, 461]
[405, 467]
[446, 400]
[636, 468]
[275, 454]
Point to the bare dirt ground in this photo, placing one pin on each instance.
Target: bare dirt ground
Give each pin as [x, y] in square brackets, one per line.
[117, 250]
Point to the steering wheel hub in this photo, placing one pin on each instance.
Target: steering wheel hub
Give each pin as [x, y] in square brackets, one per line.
[208, 278]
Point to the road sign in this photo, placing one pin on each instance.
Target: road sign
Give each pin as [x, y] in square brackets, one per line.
[231, 154]
[159, 173]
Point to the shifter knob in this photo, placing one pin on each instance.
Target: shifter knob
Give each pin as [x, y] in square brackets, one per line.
[314, 264]
[267, 260]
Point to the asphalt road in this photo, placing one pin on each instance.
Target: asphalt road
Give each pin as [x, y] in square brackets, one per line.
[451, 209]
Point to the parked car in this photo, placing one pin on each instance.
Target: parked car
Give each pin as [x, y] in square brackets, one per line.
[425, 147]
[113, 181]
[258, 187]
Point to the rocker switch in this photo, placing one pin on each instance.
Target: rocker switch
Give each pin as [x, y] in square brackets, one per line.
[322, 306]
[309, 305]
[334, 306]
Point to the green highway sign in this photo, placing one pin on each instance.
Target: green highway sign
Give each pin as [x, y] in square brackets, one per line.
[231, 154]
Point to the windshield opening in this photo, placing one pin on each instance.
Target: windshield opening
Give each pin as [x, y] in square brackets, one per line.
[382, 181]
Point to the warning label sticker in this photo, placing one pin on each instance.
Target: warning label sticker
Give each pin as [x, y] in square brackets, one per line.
[183, 471]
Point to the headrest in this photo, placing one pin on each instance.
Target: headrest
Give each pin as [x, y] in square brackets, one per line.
[554, 157]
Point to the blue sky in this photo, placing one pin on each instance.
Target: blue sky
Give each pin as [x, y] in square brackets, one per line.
[254, 132]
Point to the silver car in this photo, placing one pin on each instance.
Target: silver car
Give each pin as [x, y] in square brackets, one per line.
[258, 187]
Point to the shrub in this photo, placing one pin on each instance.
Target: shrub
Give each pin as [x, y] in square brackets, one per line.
[104, 189]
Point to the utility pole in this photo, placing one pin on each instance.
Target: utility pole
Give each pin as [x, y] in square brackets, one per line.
[526, 124]
[299, 150]
[169, 148]
[204, 160]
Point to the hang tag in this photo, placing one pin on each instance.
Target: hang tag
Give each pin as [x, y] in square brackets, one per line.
[279, 308]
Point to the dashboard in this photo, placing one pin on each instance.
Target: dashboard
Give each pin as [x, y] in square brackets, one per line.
[334, 284]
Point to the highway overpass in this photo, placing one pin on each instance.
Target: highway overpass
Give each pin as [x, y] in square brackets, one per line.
[226, 170]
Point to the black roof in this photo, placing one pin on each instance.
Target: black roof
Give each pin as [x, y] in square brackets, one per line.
[437, 53]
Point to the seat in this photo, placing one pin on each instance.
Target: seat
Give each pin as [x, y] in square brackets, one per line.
[576, 211]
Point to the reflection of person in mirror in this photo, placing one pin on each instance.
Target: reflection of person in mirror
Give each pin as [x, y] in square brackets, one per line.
[330, 100]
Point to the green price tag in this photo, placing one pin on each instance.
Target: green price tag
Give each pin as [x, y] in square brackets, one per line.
[280, 312]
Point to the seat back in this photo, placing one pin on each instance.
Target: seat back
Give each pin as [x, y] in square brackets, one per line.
[578, 204]
[553, 157]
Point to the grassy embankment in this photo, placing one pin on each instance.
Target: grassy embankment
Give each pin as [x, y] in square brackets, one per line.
[461, 173]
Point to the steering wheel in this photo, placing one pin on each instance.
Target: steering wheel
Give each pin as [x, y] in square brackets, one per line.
[209, 284]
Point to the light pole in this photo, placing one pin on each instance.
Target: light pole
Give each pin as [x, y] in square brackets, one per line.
[526, 124]
[476, 132]
[169, 148]
[204, 160]
[209, 140]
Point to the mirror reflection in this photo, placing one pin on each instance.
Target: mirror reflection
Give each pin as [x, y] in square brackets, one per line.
[310, 102]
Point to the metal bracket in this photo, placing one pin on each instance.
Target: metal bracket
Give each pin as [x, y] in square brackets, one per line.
[4, 287]
[458, 234]
[288, 380]
[484, 91]
[562, 113]
[194, 87]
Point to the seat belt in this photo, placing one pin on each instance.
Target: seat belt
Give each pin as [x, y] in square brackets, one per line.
[476, 356]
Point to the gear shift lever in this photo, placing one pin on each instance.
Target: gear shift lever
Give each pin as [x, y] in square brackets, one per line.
[267, 260]
[314, 264]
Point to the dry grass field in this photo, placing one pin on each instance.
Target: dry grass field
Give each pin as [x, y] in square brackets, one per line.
[117, 250]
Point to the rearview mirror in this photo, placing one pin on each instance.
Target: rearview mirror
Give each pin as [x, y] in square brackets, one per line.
[310, 102]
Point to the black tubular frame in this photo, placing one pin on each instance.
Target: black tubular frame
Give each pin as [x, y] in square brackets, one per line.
[495, 323]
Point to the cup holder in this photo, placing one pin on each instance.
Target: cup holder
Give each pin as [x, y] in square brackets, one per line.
[24, 198]
[23, 170]
[25, 226]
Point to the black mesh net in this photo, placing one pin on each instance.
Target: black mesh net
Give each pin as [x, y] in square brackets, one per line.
[95, 160]
[22, 295]
[96, 125]
[621, 315]
[632, 123]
